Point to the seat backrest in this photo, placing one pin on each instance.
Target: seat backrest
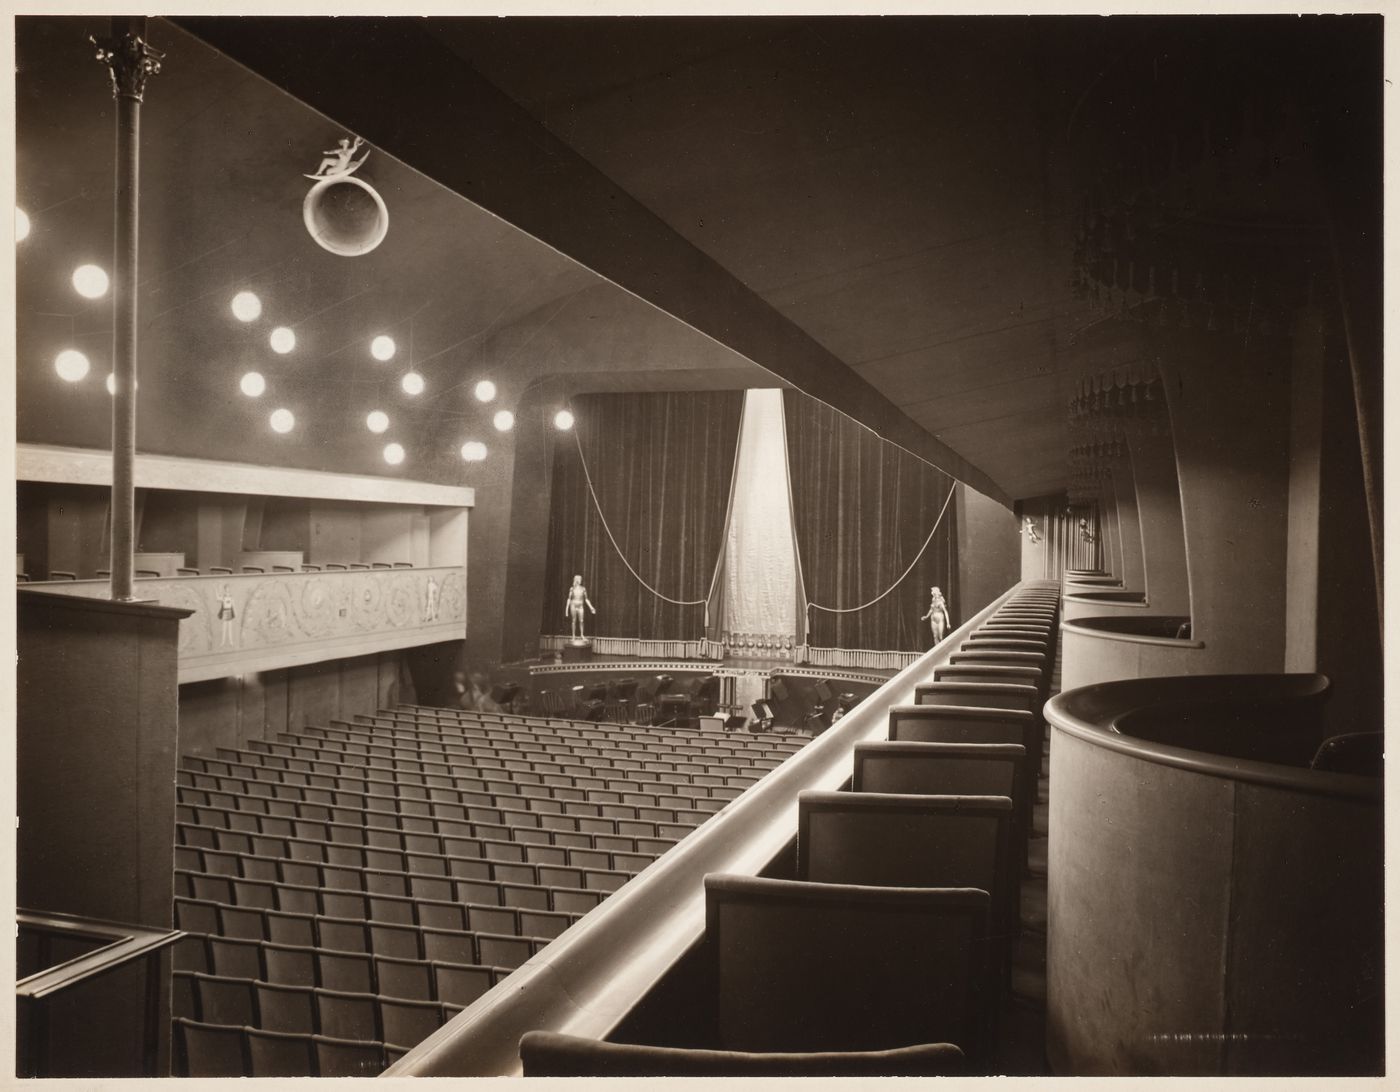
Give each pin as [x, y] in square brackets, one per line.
[805, 967]
[203, 1050]
[347, 1058]
[407, 1023]
[988, 673]
[549, 1054]
[985, 695]
[961, 724]
[967, 769]
[995, 656]
[279, 1054]
[904, 840]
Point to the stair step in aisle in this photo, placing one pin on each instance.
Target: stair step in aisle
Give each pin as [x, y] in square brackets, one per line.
[1023, 1020]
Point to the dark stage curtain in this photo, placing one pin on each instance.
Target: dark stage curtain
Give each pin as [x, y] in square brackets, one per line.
[862, 508]
[661, 465]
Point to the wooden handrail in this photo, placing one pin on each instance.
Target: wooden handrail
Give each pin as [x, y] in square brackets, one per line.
[589, 978]
[124, 943]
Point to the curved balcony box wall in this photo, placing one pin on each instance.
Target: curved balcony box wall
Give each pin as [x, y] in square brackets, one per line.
[1103, 602]
[1215, 907]
[1077, 584]
[1105, 648]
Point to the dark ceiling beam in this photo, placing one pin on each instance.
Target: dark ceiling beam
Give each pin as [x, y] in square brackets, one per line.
[393, 83]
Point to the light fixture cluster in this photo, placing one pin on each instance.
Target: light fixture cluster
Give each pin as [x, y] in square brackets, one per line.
[92, 282]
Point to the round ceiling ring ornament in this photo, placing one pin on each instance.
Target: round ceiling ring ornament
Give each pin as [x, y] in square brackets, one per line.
[344, 214]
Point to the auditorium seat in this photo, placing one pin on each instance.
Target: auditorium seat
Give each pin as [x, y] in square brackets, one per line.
[460, 984]
[286, 1008]
[407, 1022]
[957, 769]
[224, 1000]
[203, 1050]
[279, 1054]
[983, 695]
[805, 967]
[347, 1015]
[905, 840]
[549, 1054]
[347, 1058]
[969, 724]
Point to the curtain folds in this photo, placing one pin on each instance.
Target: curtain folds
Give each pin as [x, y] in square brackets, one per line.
[661, 465]
[862, 508]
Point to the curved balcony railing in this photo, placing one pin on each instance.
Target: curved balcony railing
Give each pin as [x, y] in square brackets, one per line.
[1215, 904]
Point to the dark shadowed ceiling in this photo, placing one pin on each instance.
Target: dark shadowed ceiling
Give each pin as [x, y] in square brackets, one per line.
[911, 195]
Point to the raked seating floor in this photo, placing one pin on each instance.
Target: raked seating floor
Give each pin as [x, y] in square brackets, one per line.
[350, 887]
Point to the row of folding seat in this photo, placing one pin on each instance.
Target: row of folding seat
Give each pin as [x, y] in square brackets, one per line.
[339, 867]
[481, 818]
[651, 733]
[250, 779]
[310, 1010]
[566, 784]
[446, 773]
[406, 746]
[457, 912]
[383, 938]
[414, 733]
[212, 1050]
[560, 832]
[579, 827]
[470, 880]
[583, 761]
[352, 972]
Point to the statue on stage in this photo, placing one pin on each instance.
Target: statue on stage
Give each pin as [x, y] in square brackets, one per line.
[573, 608]
[937, 616]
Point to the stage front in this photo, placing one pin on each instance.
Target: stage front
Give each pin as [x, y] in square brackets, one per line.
[634, 689]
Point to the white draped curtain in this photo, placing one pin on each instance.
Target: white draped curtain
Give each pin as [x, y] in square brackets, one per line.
[760, 571]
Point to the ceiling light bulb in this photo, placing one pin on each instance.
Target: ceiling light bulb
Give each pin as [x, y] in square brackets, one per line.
[412, 383]
[473, 451]
[21, 225]
[377, 421]
[71, 365]
[283, 340]
[485, 391]
[383, 347]
[252, 384]
[563, 420]
[282, 420]
[504, 420]
[90, 281]
[246, 307]
[393, 454]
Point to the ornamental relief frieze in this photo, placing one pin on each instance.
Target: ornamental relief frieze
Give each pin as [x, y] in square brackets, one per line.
[248, 612]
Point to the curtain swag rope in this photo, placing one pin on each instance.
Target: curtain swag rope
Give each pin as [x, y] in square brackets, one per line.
[936, 524]
[608, 530]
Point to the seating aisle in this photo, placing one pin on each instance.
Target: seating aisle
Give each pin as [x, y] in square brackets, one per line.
[1023, 1041]
[348, 888]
